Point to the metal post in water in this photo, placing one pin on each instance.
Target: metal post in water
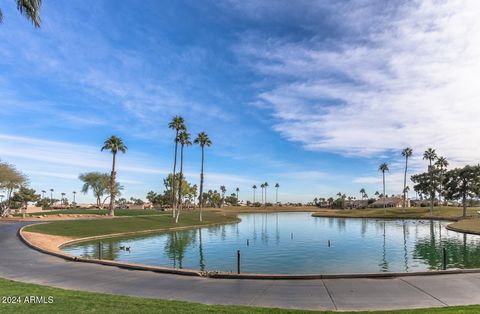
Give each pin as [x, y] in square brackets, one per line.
[444, 259]
[99, 250]
[238, 261]
[328, 243]
[248, 243]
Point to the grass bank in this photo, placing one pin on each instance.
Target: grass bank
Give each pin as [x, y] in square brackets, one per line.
[100, 212]
[467, 225]
[453, 213]
[90, 228]
[69, 301]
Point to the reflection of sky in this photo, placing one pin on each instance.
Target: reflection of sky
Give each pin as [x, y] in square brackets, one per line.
[297, 243]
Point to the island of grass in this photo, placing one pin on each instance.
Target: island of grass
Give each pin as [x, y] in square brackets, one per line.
[70, 301]
[139, 223]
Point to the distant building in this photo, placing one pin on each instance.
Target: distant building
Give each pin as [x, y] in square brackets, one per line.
[389, 202]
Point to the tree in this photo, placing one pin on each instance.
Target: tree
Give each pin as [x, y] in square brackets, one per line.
[441, 164]
[276, 192]
[254, 187]
[113, 144]
[202, 140]
[28, 8]
[223, 189]
[426, 183]
[177, 124]
[24, 196]
[462, 183]
[384, 168]
[97, 182]
[407, 153]
[74, 203]
[232, 199]
[237, 190]
[11, 180]
[184, 140]
[431, 155]
[265, 185]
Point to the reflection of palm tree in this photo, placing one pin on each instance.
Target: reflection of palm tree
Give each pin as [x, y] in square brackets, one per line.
[177, 244]
[405, 254]
[384, 264]
[200, 250]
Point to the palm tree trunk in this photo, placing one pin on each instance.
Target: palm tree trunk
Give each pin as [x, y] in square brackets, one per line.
[111, 207]
[276, 197]
[173, 177]
[464, 202]
[405, 184]
[201, 184]
[432, 191]
[384, 204]
[180, 184]
[254, 196]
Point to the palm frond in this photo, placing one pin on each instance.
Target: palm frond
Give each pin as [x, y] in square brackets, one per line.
[31, 10]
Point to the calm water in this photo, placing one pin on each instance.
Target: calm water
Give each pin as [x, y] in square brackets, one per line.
[297, 243]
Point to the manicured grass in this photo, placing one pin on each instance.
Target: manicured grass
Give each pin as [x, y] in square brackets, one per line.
[81, 211]
[89, 228]
[412, 212]
[69, 301]
[467, 225]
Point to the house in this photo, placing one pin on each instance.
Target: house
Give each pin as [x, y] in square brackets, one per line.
[389, 202]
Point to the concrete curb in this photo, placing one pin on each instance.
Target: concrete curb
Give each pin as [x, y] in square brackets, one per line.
[223, 275]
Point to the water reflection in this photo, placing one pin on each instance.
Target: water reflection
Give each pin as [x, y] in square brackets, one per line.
[357, 245]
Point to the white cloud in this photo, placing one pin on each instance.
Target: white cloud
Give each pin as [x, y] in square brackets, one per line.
[409, 79]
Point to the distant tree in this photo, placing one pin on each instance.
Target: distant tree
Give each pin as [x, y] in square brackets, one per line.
[24, 196]
[184, 140]
[202, 140]
[254, 187]
[97, 182]
[441, 164]
[223, 189]
[461, 183]
[237, 190]
[177, 124]
[431, 156]
[265, 185]
[276, 192]
[232, 199]
[426, 184]
[407, 153]
[384, 168]
[113, 144]
[30, 9]
[11, 180]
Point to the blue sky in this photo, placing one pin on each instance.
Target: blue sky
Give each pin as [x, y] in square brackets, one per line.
[313, 95]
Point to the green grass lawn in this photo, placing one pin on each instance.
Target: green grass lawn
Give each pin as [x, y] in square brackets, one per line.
[412, 212]
[80, 211]
[468, 225]
[69, 301]
[89, 228]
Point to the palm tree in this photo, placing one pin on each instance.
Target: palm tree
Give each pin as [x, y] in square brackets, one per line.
[383, 168]
[51, 196]
[63, 197]
[223, 189]
[184, 139]
[377, 194]
[177, 124]
[43, 193]
[276, 192]
[254, 187]
[30, 9]
[265, 185]
[237, 190]
[74, 193]
[202, 140]
[114, 144]
[406, 190]
[407, 153]
[431, 155]
[441, 164]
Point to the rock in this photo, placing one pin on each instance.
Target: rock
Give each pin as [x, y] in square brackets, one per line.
[39, 217]
[9, 216]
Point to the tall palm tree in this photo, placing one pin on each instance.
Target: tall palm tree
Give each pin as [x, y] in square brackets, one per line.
[202, 140]
[431, 155]
[43, 193]
[407, 153]
[276, 192]
[184, 139]
[114, 144]
[223, 189]
[74, 194]
[237, 190]
[441, 164]
[63, 197]
[265, 185]
[51, 196]
[30, 9]
[254, 187]
[383, 168]
[177, 124]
